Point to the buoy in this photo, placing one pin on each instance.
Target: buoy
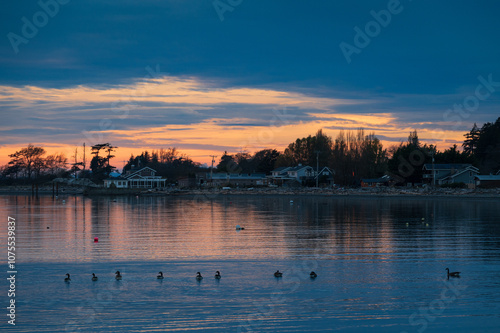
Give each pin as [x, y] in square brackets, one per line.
[48, 228]
[96, 239]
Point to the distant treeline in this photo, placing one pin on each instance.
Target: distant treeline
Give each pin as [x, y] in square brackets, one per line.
[352, 155]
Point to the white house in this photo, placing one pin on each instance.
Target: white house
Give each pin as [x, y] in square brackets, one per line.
[301, 174]
[119, 182]
[138, 178]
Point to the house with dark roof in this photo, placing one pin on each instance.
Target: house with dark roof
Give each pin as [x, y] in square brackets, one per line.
[440, 174]
[487, 181]
[304, 175]
[375, 182]
[233, 179]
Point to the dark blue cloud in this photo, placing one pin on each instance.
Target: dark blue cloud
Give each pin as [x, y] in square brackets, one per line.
[428, 47]
[426, 59]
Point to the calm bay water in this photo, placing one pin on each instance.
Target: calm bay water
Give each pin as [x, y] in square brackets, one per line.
[380, 263]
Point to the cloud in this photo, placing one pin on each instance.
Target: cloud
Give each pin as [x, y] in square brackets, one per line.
[201, 116]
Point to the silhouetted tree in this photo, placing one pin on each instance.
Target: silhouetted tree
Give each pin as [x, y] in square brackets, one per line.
[264, 161]
[454, 156]
[303, 151]
[471, 140]
[100, 165]
[28, 160]
[408, 158]
[487, 151]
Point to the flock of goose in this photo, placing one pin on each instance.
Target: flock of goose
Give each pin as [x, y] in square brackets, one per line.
[118, 275]
[278, 274]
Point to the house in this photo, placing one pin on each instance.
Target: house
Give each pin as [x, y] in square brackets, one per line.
[279, 172]
[119, 182]
[375, 182]
[487, 181]
[185, 182]
[304, 175]
[325, 176]
[300, 173]
[233, 179]
[278, 176]
[440, 174]
[137, 178]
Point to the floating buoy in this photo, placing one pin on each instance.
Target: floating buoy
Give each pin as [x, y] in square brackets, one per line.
[96, 239]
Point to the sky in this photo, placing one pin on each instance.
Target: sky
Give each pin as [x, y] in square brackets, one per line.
[238, 75]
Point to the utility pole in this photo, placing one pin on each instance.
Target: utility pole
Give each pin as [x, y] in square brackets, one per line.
[212, 170]
[84, 162]
[317, 167]
[433, 172]
[76, 162]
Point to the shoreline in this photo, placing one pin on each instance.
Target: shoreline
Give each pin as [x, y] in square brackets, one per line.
[381, 192]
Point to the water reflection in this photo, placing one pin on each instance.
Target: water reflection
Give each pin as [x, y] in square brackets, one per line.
[157, 228]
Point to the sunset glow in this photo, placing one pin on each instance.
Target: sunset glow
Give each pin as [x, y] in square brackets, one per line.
[119, 115]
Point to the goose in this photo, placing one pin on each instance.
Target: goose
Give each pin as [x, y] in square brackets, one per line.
[118, 275]
[198, 276]
[160, 275]
[217, 275]
[452, 274]
[94, 278]
[67, 279]
[278, 273]
[313, 275]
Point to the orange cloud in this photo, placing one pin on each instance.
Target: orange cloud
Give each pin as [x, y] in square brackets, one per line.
[207, 136]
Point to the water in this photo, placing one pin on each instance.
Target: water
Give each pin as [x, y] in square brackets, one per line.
[380, 263]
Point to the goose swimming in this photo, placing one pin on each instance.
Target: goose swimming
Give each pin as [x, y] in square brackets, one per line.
[67, 279]
[118, 275]
[198, 276]
[313, 275]
[217, 275]
[278, 273]
[160, 275]
[94, 278]
[452, 274]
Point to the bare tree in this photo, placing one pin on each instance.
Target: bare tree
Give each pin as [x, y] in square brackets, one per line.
[28, 159]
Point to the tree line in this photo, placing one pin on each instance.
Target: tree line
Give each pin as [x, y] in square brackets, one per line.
[352, 155]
